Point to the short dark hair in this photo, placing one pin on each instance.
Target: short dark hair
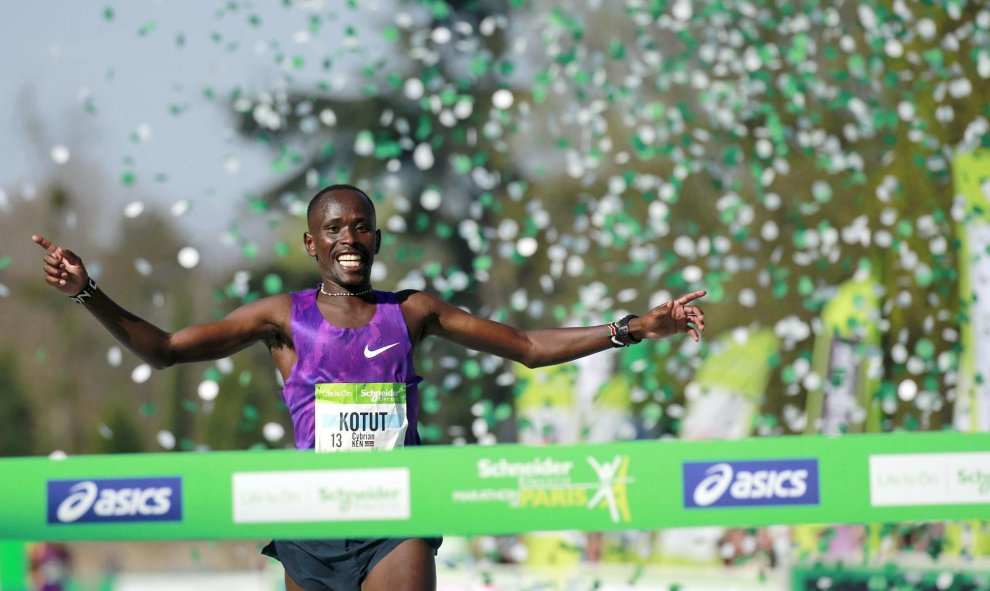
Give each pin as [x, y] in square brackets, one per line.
[324, 193]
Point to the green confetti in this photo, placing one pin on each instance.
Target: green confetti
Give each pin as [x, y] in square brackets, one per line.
[272, 284]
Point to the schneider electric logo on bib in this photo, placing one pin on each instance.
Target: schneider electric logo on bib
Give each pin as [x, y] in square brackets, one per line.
[750, 483]
[106, 500]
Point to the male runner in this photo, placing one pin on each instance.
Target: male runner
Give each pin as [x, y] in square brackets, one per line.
[326, 340]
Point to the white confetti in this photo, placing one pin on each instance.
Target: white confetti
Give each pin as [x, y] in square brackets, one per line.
[60, 154]
[114, 356]
[133, 209]
[180, 207]
[273, 432]
[166, 439]
[328, 117]
[413, 89]
[527, 246]
[188, 257]
[208, 390]
[143, 267]
[231, 165]
[423, 156]
[141, 373]
[502, 99]
[143, 133]
[364, 144]
[681, 10]
[225, 366]
[441, 35]
[926, 28]
[907, 390]
[430, 199]
[692, 274]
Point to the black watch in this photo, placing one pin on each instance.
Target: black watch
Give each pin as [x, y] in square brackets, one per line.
[621, 337]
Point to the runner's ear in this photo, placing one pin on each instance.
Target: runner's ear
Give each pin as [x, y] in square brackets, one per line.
[308, 243]
[378, 240]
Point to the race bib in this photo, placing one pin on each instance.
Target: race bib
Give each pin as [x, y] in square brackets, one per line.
[352, 417]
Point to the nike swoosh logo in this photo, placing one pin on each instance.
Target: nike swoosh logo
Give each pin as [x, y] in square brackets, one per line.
[371, 353]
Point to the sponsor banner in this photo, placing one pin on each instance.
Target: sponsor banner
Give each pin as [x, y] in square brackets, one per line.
[930, 479]
[320, 495]
[546, 484]
[750, 483]
[502, 489]
[114, 500]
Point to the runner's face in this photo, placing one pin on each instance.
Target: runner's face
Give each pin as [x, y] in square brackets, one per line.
[344, 240]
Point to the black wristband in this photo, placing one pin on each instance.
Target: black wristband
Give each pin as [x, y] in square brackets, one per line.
[86, 293]
[621, 337]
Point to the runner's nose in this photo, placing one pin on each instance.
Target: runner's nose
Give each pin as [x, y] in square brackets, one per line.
[346, 235]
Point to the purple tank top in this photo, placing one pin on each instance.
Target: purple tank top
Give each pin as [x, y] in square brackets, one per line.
[328, 354]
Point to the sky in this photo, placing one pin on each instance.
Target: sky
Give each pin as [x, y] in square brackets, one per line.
[138, 94]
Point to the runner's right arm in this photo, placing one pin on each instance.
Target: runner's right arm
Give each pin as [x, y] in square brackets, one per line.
[65, 271]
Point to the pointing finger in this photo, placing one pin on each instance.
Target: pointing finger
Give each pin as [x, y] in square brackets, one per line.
[684, 299]
[44, 243]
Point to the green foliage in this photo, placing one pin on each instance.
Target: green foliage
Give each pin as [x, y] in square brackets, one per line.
[17, 436]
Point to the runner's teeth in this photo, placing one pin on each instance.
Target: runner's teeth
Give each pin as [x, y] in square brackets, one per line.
[349, 260]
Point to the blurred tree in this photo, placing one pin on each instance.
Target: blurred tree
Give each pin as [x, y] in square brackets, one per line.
[121, 435]
[17, 436]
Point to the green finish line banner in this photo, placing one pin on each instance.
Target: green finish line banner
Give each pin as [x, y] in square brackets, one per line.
[503, 489]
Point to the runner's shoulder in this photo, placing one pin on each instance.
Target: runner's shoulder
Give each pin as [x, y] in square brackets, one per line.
[416, 299]
[276, 309]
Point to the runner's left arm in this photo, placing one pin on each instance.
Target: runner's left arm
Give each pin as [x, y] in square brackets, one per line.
[537, 348]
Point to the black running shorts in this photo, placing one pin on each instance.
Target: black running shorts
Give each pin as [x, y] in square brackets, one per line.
[340, 565]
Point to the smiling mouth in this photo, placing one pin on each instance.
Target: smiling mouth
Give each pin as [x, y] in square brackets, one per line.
[351, 262]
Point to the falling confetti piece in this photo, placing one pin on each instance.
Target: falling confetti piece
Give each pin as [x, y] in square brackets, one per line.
[502, 99]
[188, 257]
[114, 356]
[141, 373]
[273, 432]
[166, 439]
[208, 390]
[133, 209]
[60, 154]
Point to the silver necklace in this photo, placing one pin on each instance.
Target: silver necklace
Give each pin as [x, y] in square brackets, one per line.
[344, 293]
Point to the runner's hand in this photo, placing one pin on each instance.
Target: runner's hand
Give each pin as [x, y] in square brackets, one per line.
[64, 270]
[676, 316]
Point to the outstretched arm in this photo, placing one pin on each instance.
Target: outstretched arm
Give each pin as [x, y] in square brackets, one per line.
[65, 271]
[537, 348]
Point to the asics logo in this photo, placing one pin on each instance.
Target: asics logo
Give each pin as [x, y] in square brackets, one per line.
[371, 353]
